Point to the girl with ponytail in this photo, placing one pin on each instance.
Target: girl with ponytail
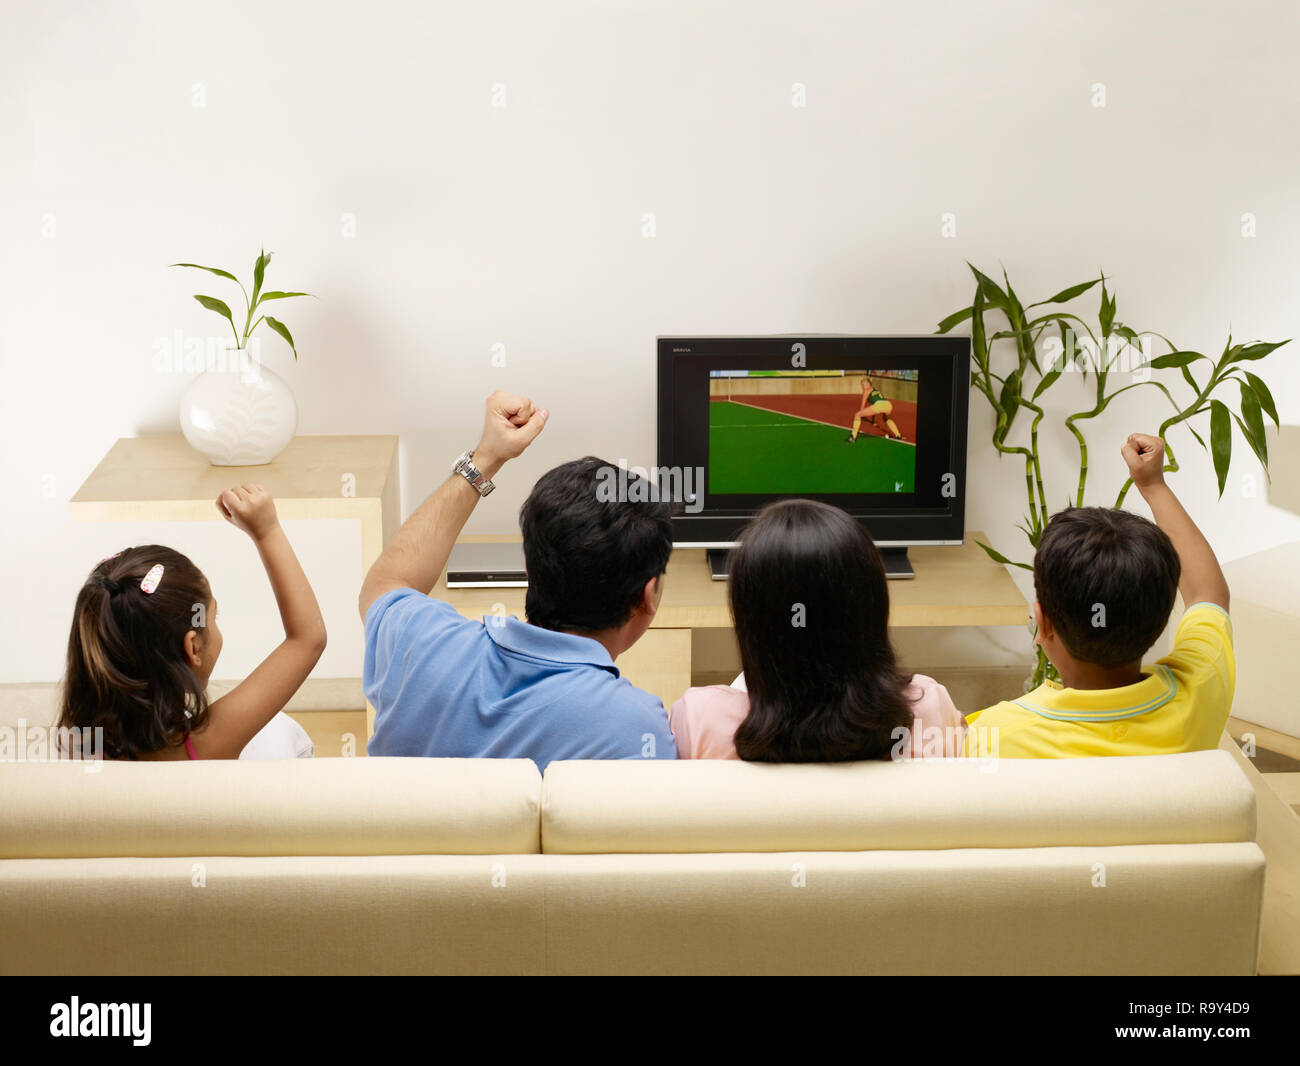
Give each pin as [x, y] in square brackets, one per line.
[144, 642]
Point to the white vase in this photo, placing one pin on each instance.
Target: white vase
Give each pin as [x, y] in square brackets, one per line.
[243, 416]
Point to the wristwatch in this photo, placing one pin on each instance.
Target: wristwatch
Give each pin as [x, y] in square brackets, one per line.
[466, 469]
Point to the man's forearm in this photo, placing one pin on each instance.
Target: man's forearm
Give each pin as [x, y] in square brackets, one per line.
[1202, 579]
[417, 554]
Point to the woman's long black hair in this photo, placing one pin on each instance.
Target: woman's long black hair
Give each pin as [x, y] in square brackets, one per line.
[811, 610]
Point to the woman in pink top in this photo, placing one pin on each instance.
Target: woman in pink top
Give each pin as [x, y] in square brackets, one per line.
[811, 610]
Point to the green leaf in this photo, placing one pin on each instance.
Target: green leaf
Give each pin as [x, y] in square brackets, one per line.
[277, 295]
[1062, 317]
[1261, 452]
[954, 319]
[1016, 316]
[1230, 352]
[978, 340]
[1048, 380]
[1252, 351]
[1027, 352]
[993, 295]
[1066, 295]
[211, 270]
[1032, 530]
[1106, 316]
[1220, 441]
[1130, 337]
[283, 330]
[1009, 401]
[1160, 362]
[998, 557]
[219, 306]
[1187, 377]
[259, 272]
[1264, 396]
[1199, 439]
[1070, 350]
[1254, 419]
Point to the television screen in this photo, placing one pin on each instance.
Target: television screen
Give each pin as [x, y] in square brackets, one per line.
[875, 425]
[785, 432]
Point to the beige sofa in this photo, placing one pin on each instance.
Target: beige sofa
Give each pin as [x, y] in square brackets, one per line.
[1138, 865]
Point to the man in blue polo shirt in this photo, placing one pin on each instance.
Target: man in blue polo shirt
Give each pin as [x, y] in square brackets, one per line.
[545, 689]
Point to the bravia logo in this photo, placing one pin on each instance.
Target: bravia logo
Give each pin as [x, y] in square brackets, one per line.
[102, 1019]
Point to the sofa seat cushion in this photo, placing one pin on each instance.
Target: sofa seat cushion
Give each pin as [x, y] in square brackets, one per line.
[703, 806]
[358, 806]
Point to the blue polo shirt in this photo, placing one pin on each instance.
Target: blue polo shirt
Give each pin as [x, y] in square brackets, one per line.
[445, 686]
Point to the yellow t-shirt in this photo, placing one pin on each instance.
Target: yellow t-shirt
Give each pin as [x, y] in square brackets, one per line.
[1181, 704]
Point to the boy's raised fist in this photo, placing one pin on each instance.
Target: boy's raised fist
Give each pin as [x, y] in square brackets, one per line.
[1145, 456]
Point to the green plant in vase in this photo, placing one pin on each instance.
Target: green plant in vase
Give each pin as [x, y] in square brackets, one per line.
[251, 304]
[1007, 337]
[245, 418]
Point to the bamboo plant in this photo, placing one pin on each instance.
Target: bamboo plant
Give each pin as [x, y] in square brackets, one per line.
[251, 303]
[1011, 372]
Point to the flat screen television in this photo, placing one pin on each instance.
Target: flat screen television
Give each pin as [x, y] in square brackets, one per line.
[875, 425]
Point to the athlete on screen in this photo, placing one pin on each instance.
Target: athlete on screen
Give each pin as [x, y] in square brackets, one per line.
[874, 406]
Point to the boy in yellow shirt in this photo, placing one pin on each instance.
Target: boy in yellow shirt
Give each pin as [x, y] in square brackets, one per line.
[1105, 581]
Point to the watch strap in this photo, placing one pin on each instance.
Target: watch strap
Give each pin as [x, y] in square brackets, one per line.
[465, 468]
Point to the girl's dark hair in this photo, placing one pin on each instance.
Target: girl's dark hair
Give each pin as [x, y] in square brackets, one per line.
[811, 610]
[127, 671]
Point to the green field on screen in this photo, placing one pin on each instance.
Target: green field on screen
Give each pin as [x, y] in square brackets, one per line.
[752, 450]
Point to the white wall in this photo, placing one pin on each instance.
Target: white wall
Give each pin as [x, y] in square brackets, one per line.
[523, 225]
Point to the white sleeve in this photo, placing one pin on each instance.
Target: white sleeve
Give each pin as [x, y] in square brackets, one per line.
[280, 738]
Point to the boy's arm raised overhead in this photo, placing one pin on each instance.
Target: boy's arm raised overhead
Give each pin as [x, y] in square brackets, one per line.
[1202, 580]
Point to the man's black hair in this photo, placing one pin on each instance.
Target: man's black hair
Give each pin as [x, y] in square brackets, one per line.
[593, 536]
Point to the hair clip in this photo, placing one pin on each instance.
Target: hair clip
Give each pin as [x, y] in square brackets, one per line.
[150, 580]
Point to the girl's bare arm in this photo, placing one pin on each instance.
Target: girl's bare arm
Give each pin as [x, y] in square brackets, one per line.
[239, 715]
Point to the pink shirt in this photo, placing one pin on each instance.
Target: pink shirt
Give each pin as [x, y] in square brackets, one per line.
[704, 721]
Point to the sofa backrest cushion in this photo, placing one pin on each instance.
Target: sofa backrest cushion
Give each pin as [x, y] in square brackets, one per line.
[358, 806]
[727, 806]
